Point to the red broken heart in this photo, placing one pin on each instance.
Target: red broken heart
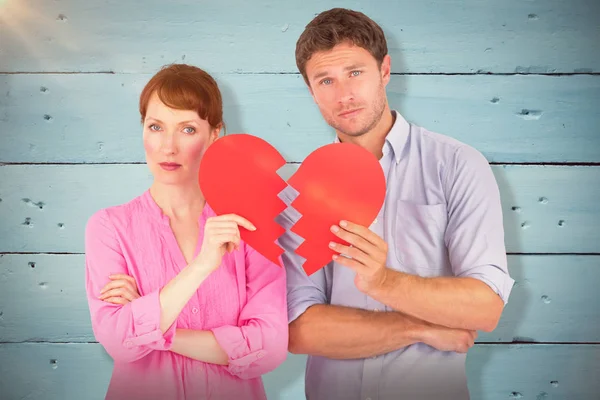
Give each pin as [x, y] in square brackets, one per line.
[339, 181]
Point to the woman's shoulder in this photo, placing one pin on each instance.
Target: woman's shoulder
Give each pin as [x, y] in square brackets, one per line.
[117, 215]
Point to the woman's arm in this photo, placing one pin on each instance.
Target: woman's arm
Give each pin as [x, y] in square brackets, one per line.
[258, 344]
[199, 345]
[127, 332]
[136, 324]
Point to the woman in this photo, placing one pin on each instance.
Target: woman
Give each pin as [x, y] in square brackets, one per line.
[185, 308]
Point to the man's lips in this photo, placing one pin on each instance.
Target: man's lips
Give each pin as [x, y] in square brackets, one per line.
[350, 113]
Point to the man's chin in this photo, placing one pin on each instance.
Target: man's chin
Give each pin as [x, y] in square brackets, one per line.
[352, 131]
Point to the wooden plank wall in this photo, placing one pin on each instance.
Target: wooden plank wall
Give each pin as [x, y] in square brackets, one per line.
[517, 79]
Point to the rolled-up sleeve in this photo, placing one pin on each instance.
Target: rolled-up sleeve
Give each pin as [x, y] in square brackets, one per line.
[127, 332]
[475, 232]
[302, 291]
[258, 344]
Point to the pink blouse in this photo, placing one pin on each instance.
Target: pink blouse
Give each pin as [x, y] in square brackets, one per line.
[243, 303]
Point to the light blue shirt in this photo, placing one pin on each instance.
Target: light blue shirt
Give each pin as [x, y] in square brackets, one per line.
[441, 217]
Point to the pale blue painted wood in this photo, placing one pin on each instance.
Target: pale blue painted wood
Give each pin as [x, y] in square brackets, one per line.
[95, 118]
[82, 371]
[555, 299]
[240, 36]
[82, 118]
[556, 207]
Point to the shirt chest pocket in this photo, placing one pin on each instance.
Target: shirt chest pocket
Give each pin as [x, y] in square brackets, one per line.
[419, 238]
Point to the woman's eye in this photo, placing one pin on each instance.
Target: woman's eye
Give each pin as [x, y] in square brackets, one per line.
[154, 127]
[189, 129]
[355, 73]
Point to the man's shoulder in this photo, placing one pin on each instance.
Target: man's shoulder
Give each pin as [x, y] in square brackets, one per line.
[433, 139]
[445, 148]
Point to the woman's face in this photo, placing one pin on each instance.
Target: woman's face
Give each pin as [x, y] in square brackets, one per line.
[175, 141]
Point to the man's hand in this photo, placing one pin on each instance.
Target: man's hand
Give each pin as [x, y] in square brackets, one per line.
[448, 339]
[367, 254]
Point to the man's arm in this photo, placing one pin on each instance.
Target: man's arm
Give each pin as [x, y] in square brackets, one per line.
[347, 333]
[475, 297]
[464, 303]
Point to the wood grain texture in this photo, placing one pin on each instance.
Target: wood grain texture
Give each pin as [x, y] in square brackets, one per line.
[70, 75]
[554, 299]
[94, 118]
[239, 36]
[82, 371]
[44, 208]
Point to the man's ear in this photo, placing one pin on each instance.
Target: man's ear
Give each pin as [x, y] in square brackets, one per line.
[386, 69]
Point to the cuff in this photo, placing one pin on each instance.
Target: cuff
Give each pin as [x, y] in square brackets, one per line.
[146, 324]
[232, 341]
[498, 280]
[296, 310]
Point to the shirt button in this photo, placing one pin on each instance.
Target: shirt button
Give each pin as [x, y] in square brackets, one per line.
[368, 398]
[195, 310]
[260, 354]
[129, 343]
[375, 221]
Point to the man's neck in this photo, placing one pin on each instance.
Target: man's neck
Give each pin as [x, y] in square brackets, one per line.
[373, 140]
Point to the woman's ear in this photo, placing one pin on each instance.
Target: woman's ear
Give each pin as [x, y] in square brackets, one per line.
[214, 133]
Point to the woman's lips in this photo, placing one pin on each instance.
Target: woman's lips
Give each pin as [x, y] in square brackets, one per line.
[168, 166]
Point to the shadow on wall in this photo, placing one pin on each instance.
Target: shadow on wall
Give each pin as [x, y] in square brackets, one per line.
[476, 368]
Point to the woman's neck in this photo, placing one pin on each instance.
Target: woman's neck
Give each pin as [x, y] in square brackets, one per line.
[177, 201]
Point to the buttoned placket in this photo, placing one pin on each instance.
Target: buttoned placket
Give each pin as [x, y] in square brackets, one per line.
[373, 366]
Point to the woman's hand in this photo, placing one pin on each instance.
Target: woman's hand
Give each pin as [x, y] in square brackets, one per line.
[221, 234]
[121, 290]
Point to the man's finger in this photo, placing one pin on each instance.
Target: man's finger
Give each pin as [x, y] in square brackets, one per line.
[352, 252]
[355, 240]
[356, 266]
[363, 232]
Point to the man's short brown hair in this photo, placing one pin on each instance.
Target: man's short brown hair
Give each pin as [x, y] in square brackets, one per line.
[335, 26]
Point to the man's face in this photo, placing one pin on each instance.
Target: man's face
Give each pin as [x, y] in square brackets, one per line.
[349, 87]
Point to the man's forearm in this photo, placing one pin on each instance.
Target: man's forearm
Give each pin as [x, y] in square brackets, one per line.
[346, 333]
[463, 303]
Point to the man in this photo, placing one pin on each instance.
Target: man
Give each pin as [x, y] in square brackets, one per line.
[395, 320]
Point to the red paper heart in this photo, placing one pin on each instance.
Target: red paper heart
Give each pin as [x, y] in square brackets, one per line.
[238, 175]
[339, 181]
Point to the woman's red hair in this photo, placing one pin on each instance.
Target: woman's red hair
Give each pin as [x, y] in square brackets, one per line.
[185, 87]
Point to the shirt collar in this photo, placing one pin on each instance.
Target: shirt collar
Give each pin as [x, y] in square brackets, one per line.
[396, 137]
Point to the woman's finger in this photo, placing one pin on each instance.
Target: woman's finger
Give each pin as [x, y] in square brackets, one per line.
[125, 277]
[118, 284]
[117, 300]
[122, 292]
[241, 221]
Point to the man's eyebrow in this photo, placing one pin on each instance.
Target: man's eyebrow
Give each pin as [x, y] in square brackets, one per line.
[348, 68]
[321, 75]
[355, 66]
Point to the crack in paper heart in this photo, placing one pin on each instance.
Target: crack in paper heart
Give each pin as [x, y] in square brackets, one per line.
[238, 174]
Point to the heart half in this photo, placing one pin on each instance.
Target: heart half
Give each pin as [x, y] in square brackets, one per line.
[339, 181]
